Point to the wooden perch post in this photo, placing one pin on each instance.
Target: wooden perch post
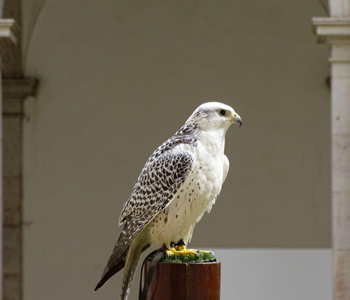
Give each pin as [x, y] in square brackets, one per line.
[184, 281]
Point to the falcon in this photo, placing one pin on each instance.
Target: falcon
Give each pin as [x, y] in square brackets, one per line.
[178, 184]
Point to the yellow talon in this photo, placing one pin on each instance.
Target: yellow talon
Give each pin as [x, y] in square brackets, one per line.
[181, 250]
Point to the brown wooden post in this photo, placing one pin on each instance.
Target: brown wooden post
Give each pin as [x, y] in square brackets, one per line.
[181, 281]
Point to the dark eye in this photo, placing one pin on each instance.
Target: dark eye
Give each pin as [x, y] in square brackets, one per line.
[222, 112]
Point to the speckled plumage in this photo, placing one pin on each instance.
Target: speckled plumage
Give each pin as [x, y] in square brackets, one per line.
[179, 182]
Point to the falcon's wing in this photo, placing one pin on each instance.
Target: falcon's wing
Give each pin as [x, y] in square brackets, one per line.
[159, 181]
[157, 184]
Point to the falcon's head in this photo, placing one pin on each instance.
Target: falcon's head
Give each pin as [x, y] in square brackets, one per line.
[213, 116]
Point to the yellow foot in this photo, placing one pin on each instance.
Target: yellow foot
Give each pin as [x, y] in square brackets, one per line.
[181, 250]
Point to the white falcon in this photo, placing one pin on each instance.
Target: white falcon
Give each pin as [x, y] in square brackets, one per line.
[179, 182]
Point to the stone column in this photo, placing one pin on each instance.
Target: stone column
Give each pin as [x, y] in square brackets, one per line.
[8, 36]
[14, 92]
[336, 31]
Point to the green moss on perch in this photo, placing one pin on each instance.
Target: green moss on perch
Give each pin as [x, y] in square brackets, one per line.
[201, 257]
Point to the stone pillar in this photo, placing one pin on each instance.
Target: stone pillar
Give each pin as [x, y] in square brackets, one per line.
[14, 92]
[8, 35]
[336, 31]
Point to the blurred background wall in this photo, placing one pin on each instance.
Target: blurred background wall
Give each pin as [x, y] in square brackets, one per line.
[117, 78]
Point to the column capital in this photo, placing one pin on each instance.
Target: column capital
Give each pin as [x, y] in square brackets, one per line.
[332, 29]
[9, 31]
[19, 88]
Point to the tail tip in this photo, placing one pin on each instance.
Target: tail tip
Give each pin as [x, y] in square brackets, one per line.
[98, 286]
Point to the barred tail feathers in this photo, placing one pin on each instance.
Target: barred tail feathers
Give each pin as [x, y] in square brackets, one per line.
[130, 268]
[111, 269]
[117, 259]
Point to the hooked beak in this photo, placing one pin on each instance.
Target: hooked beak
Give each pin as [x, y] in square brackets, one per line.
[236, 119]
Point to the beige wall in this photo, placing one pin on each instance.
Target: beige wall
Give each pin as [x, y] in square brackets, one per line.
[117, 78]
